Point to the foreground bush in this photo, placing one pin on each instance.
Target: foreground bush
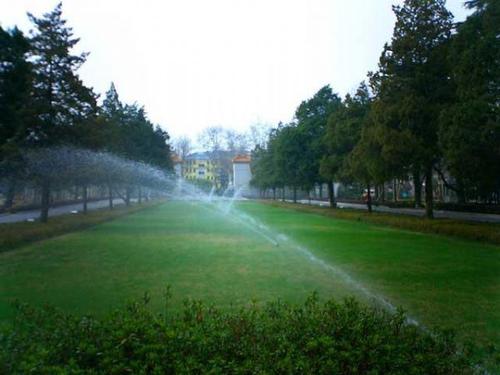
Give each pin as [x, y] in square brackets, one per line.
[328, 338]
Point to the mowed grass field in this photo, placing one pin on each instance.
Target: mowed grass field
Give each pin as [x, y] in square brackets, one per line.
[230, 260]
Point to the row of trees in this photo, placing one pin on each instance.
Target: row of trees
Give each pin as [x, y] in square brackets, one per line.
[44, 103]
[432, 108]
[64, 167]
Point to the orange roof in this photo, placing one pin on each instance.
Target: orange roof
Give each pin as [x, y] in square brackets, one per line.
[176, 159]
[242, 159]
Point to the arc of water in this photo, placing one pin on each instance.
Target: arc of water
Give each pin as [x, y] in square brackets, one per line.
[212, 191]
[262, 230]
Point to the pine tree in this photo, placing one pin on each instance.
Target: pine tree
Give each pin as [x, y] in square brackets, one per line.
[111, 105]
[470, 126]
[60, 98]
[312, 116]
[411, 86]
[15, 89]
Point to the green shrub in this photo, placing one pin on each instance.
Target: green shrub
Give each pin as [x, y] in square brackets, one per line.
[469, 207]
[322, 338]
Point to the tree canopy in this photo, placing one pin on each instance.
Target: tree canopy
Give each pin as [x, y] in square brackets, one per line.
[431, 110]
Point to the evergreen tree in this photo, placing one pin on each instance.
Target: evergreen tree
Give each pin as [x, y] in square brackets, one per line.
[312, 116]
[265, 172]
[111, 105]
[129, 132]
[60, 98]
[288, 150]
[343, 133]
[15, 84]
[15, 89]
[411, 85]
[470, 126]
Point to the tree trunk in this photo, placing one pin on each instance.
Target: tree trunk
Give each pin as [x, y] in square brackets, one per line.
[321, 191]
[294, 194]
[44, 213]
[85, 198]
[382, 193]
[10, 194]
[110, 196]
[283, 194]
[274, 193]
[417, 187]
[394, 190]
[127, 196]
[460, 191]
[369, 199]
[139, 195]
[331, 194]
[429, 202]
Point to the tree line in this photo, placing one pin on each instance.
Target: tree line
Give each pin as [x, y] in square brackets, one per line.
[44, 104]
[65, 167]
[431, 109]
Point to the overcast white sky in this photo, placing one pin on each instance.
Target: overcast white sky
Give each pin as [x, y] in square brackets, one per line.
[197, 63]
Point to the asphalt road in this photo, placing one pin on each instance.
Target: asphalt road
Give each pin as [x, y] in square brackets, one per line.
[466, 216]
[61, 210]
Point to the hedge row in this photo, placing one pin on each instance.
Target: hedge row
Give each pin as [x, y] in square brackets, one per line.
[445, 206]
[313, 338]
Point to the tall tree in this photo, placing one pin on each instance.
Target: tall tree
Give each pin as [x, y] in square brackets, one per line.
[470, 126]
[60, 100]
[312, 116]
[287, 156]
[258, 135]
[112, 107]
[343, 132]
[212, 139]
[265, 171]
[15, 98]
[411, 84]
[236, 143]
[182, 146]
[15, 84]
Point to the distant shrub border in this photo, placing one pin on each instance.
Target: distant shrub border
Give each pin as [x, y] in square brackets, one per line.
[14, 235]
[313, 338]
[487, 232]
[483, 208]
[469, 207]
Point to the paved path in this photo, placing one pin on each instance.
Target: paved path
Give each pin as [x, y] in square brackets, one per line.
[466, 216]
[61, 210]
[56, 211]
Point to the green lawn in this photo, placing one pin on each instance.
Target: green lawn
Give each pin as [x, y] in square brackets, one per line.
[228, 260]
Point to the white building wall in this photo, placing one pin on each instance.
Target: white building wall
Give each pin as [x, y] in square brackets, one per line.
[178, 169]
[241, 175]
